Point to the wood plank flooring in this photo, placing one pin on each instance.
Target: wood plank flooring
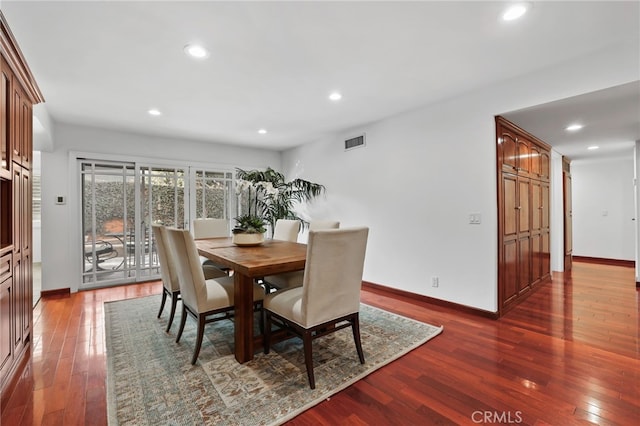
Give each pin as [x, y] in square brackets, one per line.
[570, 354]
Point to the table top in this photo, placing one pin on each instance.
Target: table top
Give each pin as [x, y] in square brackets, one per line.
[271, 257]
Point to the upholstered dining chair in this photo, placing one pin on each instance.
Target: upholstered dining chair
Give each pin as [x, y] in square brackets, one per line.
[286, 230]
[169, 274]
[202, 299]
[294, 279]
[329, 299]
[211, 228]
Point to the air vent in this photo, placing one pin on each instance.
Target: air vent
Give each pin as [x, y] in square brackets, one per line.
[352, 143]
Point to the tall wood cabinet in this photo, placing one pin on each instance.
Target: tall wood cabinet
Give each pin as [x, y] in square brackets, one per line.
[18, 94]
[523, 213]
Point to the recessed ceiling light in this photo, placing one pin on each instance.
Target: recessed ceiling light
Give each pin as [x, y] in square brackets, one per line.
[196, 51]
[335, 96]
[262, 131]
[574, 127]
[591, 148]
[154, 112]
[515, 11]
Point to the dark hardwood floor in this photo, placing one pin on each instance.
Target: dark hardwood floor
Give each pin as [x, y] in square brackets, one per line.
[567, 355]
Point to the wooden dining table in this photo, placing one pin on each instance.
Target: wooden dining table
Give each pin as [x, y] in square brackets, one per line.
[248, 263]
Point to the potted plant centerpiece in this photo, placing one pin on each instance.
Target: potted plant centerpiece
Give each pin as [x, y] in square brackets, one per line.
[266, 197]
[249, 230]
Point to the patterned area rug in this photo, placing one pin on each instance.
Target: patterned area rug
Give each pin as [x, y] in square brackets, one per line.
[150, 379]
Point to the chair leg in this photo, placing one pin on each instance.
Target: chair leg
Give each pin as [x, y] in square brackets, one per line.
[355, 326]
[174, 304]
[266, 335]
[308, 357]
[183, 320]
[260, 308]
[196, 351]
[164, 299]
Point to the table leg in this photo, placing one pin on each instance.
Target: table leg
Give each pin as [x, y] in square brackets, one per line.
[243, 317]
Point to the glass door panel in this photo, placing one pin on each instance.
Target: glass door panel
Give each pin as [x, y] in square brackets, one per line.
[213, 194]
[108, 211]
[162, 201]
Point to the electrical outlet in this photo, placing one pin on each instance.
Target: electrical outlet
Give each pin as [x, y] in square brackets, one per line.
[475, 218]
[435, 281]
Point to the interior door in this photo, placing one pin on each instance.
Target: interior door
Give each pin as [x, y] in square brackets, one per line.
[568, 221]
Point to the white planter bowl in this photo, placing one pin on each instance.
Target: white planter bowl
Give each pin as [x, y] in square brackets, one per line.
[248, 239]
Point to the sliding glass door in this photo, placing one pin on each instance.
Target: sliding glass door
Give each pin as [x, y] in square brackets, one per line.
[108, 220]
[120, 202]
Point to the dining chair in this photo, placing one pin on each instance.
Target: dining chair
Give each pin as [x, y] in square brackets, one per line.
[329, 299]
[294, 279]
[168, 273]
[211, 228]
[286, 230]
[205, 300]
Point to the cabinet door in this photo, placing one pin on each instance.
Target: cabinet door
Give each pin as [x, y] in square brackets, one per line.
[524, 206]
[17, 123]
[6, 324]
[544, 206]
[5, 120]
[524, 156]
[535, 161]
[508, 152]
[26, 152]
[16, 203]
[510, 206]
[544, 165]
[536, 206]
[509, 271]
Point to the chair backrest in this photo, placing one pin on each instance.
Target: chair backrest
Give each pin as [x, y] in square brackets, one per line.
[167, 262]
[210, 228]
[333, 274]
[193, 287]
[315, 225]
[286, 230]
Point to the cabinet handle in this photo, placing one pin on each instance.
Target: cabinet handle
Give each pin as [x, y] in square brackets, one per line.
[518, 208]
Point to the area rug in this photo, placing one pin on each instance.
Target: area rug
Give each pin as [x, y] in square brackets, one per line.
[150, 379]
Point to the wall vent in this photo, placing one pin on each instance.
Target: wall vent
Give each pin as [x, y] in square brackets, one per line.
[355, 142]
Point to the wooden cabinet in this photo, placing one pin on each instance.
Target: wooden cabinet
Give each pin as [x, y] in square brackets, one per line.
[523, 226]
[18, 93]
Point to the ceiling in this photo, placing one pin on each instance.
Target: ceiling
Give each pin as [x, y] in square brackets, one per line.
[611, 120]
[272, 65]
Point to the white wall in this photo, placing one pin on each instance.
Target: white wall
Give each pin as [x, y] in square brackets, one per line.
[61, 259]
[423, 172]
[603, 208]
[636, 176]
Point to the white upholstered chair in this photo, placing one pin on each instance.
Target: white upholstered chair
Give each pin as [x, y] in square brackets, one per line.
[202, 299]
[169, 274]
[170, 286]
[211, 228]
[286, 230]
[294, 279]
[329, 298]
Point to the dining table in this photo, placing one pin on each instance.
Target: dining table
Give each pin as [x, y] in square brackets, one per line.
[248, 264]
